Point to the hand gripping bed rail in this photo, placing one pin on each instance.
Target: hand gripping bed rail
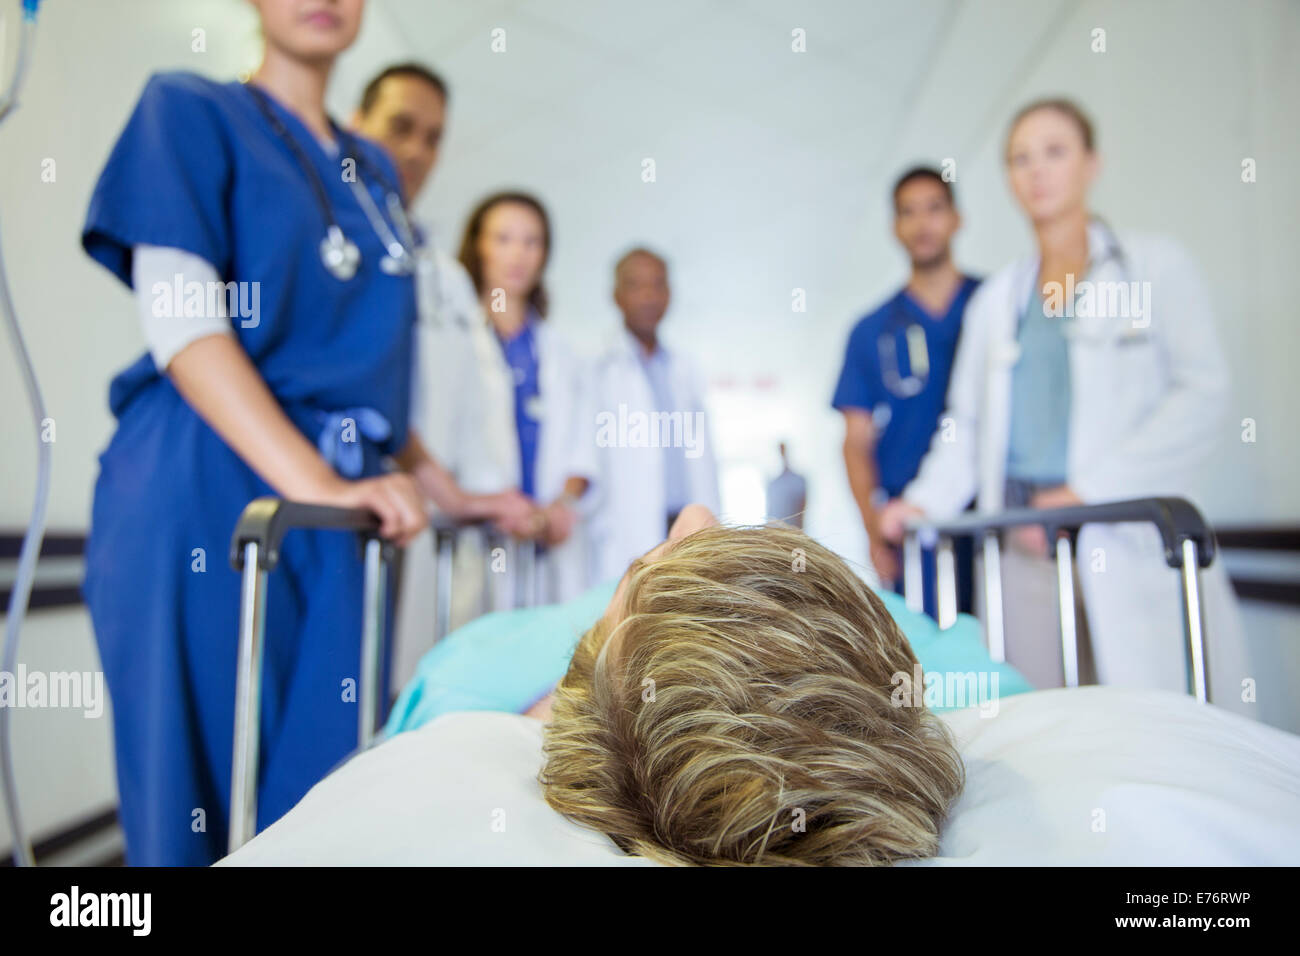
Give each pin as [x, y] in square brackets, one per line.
[255, 551]
[515, 573]
[1188, 544]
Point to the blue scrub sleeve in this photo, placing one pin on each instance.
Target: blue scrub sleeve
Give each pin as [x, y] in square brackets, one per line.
[859, 382]
[166, 180]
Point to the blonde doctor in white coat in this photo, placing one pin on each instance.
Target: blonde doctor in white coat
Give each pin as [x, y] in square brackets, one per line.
[1141, 413]
[536, 400]
[646, 397]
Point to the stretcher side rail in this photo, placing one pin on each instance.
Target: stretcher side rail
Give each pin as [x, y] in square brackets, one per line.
[1188, 542]
[255, 552]
[519, 564]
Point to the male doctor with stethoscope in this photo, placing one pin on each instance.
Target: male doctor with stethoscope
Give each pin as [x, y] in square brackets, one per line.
[1068, 391]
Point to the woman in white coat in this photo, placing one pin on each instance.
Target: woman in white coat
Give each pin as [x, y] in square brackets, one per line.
[536, 432]
[1090, 371]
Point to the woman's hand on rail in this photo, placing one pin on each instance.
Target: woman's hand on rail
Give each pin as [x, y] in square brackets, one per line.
[395, 498]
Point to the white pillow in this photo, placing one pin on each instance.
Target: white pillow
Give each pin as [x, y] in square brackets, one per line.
[1175, 782]
[1117, 777]
[460, 791]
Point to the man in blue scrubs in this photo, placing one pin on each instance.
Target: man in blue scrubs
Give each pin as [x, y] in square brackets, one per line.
[895, 376]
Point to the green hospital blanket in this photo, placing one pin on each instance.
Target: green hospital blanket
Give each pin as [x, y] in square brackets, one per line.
[508, 660]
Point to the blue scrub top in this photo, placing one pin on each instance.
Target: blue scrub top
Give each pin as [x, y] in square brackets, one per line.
[199, 168]
[521, 355]
[907, 424]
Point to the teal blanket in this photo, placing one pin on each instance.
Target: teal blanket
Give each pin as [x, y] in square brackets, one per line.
[508, 660]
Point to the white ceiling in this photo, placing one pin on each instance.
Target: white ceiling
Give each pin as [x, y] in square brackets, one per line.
[749, 138]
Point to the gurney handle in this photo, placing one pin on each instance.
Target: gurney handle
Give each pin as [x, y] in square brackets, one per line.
[266, 520]
[255, 551]
[1188, 545]
[1176, 519]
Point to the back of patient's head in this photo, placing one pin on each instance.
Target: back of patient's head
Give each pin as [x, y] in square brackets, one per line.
[744, 713]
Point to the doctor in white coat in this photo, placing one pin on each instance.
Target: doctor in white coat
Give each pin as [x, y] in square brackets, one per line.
[651, 435]
[536, 404]
[1088, 372]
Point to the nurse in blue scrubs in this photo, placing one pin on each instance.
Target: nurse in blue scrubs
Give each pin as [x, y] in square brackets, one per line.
[297, 386]
[894, 380]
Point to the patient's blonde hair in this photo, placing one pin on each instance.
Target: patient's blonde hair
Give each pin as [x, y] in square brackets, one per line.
[744, 714]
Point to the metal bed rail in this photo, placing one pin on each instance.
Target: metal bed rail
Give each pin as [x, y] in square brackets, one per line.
[1188, 541]
[507, 583]
[255, 552]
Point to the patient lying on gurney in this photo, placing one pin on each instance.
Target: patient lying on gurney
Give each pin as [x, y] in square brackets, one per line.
[744, 698]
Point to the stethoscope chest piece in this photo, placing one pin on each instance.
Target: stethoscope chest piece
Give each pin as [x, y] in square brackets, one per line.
[918, 360]
[339, 254]
[397, 262]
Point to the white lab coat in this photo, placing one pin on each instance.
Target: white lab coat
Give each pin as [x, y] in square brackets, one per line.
[463, 411]
[564, 447]
[630, 508]
[447, 414]
[1147, 413]
[446, 403]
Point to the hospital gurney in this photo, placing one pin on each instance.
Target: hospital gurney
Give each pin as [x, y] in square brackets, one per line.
[1181, 784]
[1188, 545]
[255, 551]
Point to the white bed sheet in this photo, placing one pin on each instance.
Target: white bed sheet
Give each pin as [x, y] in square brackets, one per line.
[1093, 776]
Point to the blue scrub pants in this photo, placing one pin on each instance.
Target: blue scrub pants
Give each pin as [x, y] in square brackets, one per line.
[165, 606]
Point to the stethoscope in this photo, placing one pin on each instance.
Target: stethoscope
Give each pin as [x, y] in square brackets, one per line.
[439, 314]
[1111, 251]
[918, 357]
[339, 254]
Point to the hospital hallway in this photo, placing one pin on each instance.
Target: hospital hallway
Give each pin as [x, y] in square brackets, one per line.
[390, 385]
